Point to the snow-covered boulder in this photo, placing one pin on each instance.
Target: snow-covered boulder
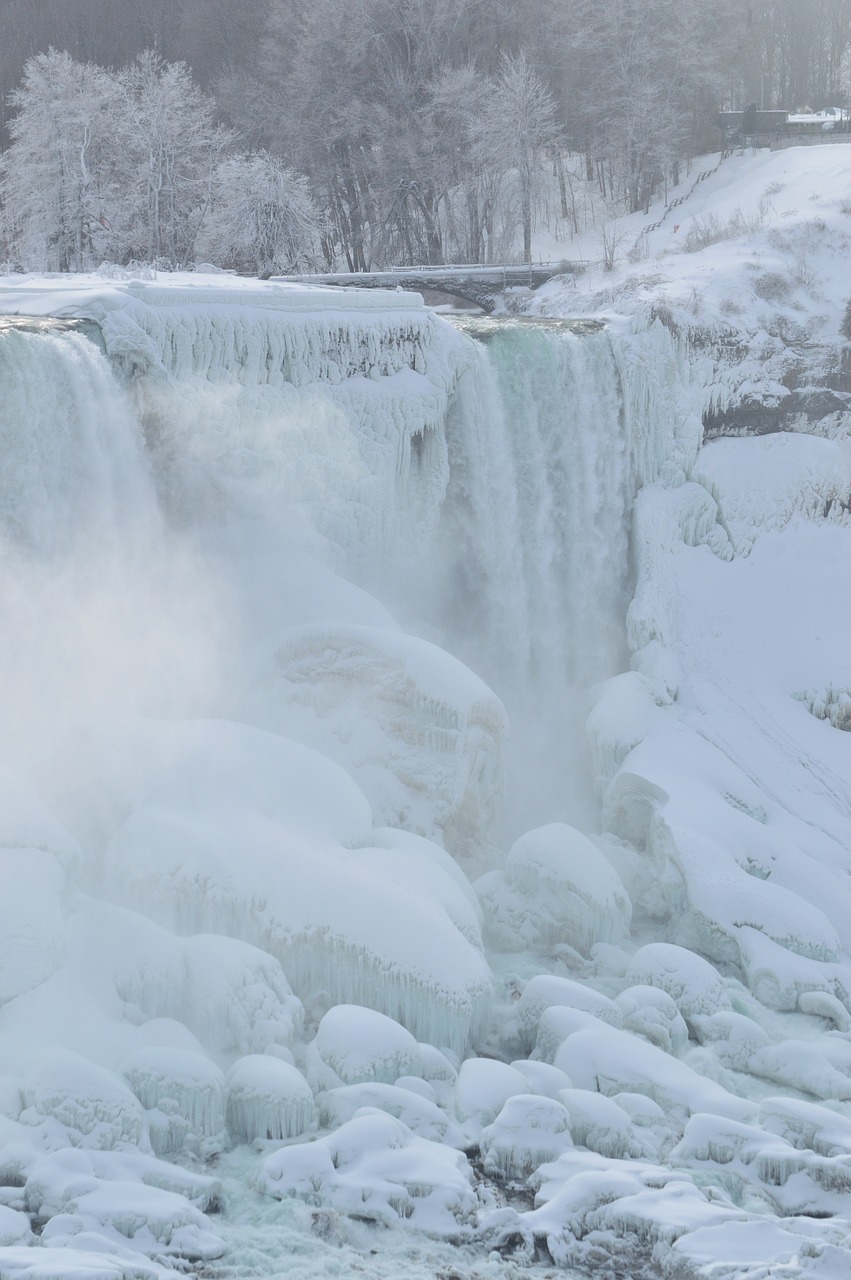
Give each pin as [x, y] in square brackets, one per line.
[611, 1061]
[237, 996]
[420, 1114]
[600, 1124]
[557, 889]
[483, 1088]
[652, 1014]
[354, 1044]
[542, 1078]
[216, 827]
[184, 1095]
[545, 991]
[94, 1107]
[373, 1167]
[126, 1200]
[14, 1228]
[529, 1131]
[232, 995]
[268, 1099]
[420, 732]
[691, 982]
[560, 1021]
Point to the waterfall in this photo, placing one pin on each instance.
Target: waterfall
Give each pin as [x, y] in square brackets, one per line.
[532, 552]
[500, 471]
[72, 463]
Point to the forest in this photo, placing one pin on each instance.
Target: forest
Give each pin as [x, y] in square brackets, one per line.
[274, 136]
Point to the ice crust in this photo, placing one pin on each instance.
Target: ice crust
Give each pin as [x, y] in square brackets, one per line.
[234, 921]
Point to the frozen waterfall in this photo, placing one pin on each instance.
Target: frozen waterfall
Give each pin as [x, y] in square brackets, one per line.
[412, 749]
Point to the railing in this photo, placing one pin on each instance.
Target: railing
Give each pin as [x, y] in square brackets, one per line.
[809, 140]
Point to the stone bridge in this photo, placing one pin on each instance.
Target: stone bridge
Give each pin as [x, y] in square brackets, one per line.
[476, 284]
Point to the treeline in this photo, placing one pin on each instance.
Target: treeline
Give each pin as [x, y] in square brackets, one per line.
[275, 135]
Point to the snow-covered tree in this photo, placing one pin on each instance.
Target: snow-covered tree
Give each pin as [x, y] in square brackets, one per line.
[58, 174]
[519, 125]
[262, 216]
[170, 147]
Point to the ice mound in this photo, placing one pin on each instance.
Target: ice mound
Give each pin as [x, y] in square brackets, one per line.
[237, 996]
[806, 1125]
[31, 919]
[90, 1106]
[187, 1093]
[420, 733]
[268, 1099]
[758, 1168]
[101, 1261]
[600, 1124]
[560, 1021]
[653, 1014]
[625, 709]
[124, 1205]
[482, 1089]
[594, 1213]
[610, 1061]
[373, 1167]
[265, 825]
[354, 1045]
[545, 991]
[14, 1228]
[557, 889]
[529, 1131]
[691, 982]
[542, 1078]
[419, 1113]
[733, 1036]
[231, 995]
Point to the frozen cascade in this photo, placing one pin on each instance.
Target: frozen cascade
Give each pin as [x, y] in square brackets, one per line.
[535, 531]
[71, 456]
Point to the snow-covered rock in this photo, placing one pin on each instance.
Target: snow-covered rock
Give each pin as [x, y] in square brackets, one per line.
[268, 1099]
[375, 1168]
[529, 1131]
[354, 1044]
[557, 888]
[93, 1106]
[184, 1095]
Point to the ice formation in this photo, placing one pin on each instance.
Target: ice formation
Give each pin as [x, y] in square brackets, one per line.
[268, 1099]
[307, 599]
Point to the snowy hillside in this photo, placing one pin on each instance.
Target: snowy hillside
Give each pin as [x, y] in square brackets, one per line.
[425, 767]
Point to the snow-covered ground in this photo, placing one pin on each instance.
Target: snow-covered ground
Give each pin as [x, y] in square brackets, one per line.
[325, 630]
